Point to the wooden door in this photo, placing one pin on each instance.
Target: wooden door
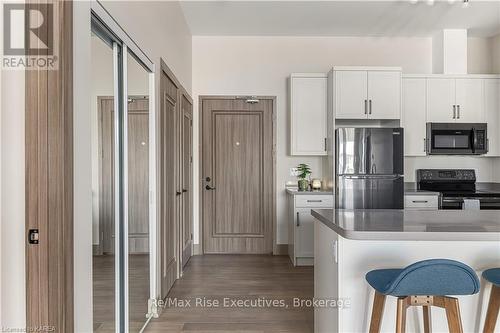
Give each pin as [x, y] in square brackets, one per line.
[470, 100]
[187, 178]
[169, 191]
[440, 100]
[414, 116]
[138, 175]
[237, 171]
[350, 94]
[384, 94]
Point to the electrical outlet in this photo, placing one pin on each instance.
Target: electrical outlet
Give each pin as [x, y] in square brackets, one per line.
[294, 172]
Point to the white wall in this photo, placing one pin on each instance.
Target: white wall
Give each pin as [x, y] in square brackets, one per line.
[160, 30]
[484, 166]
[261, 65]
[12, 239]
[495, 48]
[479, 55]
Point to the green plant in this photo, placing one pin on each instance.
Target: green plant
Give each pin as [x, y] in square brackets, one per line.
[304, 171]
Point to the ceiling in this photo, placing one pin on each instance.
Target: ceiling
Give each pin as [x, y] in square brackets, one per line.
[340, 18]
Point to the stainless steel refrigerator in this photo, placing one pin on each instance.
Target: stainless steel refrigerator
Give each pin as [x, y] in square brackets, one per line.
[369, 168]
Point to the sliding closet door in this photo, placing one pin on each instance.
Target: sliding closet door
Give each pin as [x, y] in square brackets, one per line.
[138, 149]
[170, 185]
[104, 56]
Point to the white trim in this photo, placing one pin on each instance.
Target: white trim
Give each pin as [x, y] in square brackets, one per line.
[125, 188]
[313, 75]
[367, 68]
[106, 18]
[153, 187]
[451, 76]
[116, 157]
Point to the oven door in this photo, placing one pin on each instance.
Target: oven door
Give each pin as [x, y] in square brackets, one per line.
[488, 203]
[456, 139]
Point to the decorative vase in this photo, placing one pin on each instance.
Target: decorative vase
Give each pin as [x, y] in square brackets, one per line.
[303, 185]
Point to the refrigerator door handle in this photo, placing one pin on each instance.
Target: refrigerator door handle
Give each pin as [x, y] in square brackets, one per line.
[371, 176]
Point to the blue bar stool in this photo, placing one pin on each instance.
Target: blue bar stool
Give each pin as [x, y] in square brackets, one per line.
[492, 275]
[425, 283]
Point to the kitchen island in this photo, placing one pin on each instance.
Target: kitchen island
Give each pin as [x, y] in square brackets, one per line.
[349, 243]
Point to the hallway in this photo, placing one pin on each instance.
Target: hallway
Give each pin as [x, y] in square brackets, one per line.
[238, 278]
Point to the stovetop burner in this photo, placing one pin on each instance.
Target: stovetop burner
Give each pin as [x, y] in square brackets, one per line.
[455, 186]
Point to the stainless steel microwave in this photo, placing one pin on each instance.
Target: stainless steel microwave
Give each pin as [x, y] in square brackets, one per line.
[457, 139]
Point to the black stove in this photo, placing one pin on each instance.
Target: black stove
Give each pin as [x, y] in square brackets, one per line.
[457, 188]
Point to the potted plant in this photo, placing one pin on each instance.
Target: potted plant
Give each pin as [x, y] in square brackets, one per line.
[304, 171]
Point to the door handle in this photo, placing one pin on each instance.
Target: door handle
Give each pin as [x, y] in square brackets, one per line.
[370, 103]
[178, 193]
[209, 188]
[184, 190]
[454, 112]
[366, 106]
[458, 111]
[298, 221]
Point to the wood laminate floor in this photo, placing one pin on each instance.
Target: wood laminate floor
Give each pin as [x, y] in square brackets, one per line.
[242, 278]
[104, 292]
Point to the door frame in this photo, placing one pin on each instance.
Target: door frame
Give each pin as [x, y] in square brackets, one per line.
[200, 164]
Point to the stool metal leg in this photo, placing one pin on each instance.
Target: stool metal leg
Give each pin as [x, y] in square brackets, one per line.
[377, 312]
[427, 319]
[402, 305]
[493, 308]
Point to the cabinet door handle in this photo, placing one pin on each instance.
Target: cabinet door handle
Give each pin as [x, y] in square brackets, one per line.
[298, 221]
[370, 103]
[314, 200]
[454, 112]
[458, 111]
[420, 201]
[326, 149]
[366, 106]
[425, 145]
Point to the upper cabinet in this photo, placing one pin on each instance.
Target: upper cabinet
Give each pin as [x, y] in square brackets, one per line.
[362, 93]
[308, 114]
[455, 100]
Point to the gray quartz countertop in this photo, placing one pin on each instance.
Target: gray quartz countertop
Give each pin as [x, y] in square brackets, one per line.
[297, 192]
[442, 225]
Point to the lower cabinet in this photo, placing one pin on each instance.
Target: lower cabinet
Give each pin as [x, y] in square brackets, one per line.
[422, 201]
[301, 226]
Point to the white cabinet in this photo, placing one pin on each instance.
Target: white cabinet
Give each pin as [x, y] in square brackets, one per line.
[422, 201]
[308, 114]
[351, 94]
[470, 100]
[441, 100]
[414, 116]
[492, 114]
[301, 225]
[367, 94]
[455, 100]
[384, 94]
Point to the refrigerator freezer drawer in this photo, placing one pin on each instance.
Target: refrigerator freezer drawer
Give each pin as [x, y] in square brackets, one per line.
[370, 193]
